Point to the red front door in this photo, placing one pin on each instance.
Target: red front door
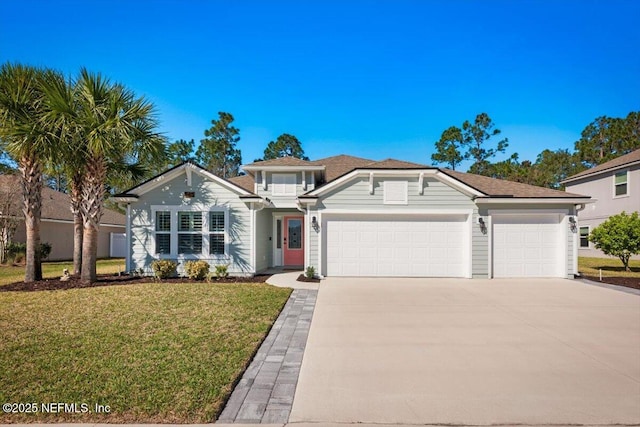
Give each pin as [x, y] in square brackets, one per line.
[293, 244]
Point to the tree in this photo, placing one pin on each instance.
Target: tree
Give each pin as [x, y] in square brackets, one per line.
[475, 136]
[180, 151]
[618, 236]
[448, 148]
[108, 128]
[217, 152]
[9, 197]
[606, 138]
[25, 140]
[285, 145]
[554, 166]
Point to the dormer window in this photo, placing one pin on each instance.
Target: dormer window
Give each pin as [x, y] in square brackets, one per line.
[283, 184]
[620, 187]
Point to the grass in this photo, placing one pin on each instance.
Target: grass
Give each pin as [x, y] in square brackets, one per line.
[11, 274]
[153, 352]
[610, 267]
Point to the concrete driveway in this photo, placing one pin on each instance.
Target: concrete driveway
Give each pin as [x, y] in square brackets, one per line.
[429, 351]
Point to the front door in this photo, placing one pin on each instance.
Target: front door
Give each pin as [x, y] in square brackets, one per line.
[293, 245]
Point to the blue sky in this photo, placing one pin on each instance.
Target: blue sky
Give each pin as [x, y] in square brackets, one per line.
[374, 79]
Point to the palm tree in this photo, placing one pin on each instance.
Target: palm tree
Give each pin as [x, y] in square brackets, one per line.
[114, 123]
[84, 111]
[29, 144]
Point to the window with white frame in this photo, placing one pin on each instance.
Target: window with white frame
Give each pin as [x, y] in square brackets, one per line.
[584, 237]
[163, 232]
[283, 184]
[184, 231]
[216, 232]
[396, 192]
[620, 184]
[189, 232]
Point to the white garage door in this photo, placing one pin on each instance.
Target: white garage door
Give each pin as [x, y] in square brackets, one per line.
[411, 247]
[528, 246]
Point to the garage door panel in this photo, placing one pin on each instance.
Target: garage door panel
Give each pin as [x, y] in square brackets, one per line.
[527, 246]
[397, 248]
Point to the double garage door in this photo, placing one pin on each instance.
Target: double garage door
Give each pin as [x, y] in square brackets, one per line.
[398, 247]
[440, 246]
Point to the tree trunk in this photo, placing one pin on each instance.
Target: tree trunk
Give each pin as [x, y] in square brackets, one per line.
[31, 174]
[92, 198]
[76, 201]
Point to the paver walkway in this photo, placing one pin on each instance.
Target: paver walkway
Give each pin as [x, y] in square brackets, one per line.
[265, 392]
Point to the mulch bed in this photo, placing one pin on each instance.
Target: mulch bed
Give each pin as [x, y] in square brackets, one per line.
[112, 280]
[629, 282]
[303, 278]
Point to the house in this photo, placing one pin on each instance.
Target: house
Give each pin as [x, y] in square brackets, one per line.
[348, 216]
[615, 186]
[56, 226]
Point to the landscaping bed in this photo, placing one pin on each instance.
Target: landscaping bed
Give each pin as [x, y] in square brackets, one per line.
[629, 282]
[612, 271]
[52, 284]
[152, 353]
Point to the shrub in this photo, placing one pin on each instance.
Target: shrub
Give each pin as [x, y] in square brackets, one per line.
[164, 268]
[196, 270]
[310, 273]
[17, 251]
[618, 236]
[222, 271]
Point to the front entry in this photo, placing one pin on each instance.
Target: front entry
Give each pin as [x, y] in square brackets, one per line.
[293, 244]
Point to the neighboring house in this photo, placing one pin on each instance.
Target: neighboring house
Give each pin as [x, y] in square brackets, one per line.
[56, 225]
[615, 186]
[348, 216]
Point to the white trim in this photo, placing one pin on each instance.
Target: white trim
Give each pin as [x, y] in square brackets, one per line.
[188, 172]
[304, 180]
[127, 231]
[371, 183]
[263, 177]
[387, 189]
[307, 227]
[439, 175]
[621, 196]
[174, 173]
[421, 184]
[524, 201]
[499, 212]
[173, 251]
[564, 224]
[469, 246]
[395, 211]
[490, 243]
[282, 168]
[321, 272]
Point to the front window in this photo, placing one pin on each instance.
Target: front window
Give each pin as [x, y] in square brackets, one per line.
[620, 184]
[163, 232]
[189, 232]
[584, 237]
[216, 233]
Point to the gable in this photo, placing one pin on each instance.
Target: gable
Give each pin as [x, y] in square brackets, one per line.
[394, 191]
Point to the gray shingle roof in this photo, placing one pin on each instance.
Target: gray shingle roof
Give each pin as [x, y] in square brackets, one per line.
[618, 162]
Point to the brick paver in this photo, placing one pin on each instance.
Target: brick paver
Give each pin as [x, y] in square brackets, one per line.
[265, 392]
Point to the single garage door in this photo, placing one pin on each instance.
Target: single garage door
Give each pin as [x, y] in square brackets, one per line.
[406, 247]
[528, 246]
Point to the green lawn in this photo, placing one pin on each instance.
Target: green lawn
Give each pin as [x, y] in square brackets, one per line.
[153, 352]
[11, 274]
[610, 267]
